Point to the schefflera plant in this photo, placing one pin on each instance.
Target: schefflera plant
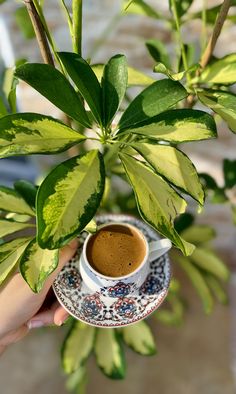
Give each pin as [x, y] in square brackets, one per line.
[144, 140]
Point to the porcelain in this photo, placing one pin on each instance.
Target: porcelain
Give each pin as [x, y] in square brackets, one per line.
[120, 303]
[131, 282]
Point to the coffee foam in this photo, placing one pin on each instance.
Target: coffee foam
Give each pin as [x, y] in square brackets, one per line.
[116, 250]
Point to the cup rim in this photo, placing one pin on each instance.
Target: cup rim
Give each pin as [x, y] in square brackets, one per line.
[116, 278]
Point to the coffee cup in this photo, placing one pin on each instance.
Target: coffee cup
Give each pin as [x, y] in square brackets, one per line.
[115, 260]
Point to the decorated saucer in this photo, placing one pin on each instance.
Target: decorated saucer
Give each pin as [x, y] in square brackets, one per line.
[115, 306]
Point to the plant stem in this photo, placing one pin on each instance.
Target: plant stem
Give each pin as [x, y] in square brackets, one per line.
[216, 32]
[77, 25]
[204, 26]
[39, 32]
[182, 49]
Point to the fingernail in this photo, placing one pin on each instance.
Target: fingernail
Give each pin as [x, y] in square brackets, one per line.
[35, 324]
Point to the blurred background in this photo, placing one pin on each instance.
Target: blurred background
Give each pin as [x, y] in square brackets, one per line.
[200, 355]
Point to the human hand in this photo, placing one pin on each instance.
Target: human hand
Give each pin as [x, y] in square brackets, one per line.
[20, 307]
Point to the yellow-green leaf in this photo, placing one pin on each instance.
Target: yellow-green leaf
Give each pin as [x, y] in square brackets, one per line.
[223, 103]
[210, 262]
[198, 282]
[197, 234]
[109, 354]
[77, 346]
[10, 253]
[28, 133]
[68, 198]
[174, 165]
[158, 203]
[139, 337]
[135, 77]
[217, 289]
[37, 264]
[11, 201]
[9, 227]
[222, 71]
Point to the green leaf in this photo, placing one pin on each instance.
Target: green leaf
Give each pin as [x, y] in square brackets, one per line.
[37, 264]
[182, 6]
[29, 133]
[222, 71]
[77, 346]
[223, 103]
[3, 110]
[114, 84]
[217, 289]
[179, 125]
[10, 253]
[109, 353]
[18, 217]
[9, 227]
[158, 51]
[56, 88]
[24, 23]
[140, 7]
[11, 201]
[85, 80]
[210, 262]
[68, 198]
[135, 77]
[198, 234]
[139, 337]
[198, 282]
[27, 190]
[153, 100]
[7, 248]
[233, 210]
[158, 203]
[229, 168]
[76, 381]
[162, 69]
[173, 316]
[173, 165]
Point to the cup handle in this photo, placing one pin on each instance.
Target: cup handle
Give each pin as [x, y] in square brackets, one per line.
[158, 248]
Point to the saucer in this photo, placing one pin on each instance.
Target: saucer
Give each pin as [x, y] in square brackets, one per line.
[115, 306]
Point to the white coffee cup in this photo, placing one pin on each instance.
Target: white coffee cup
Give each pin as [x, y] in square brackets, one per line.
[123, 285]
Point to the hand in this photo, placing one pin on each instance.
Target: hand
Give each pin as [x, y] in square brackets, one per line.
[21, 309]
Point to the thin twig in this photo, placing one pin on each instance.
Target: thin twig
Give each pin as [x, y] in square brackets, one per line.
[39, 32]
[77, 25]
[216, 32]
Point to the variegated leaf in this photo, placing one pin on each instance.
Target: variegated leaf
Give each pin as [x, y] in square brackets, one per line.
[37, 264]
[223, 103]
[77, 346]
[68, 198]
[28, 133]
[158, 203]
[10, 253]
[109, 353]
[9, 227]
[197, 234]
[179, 125]
[222, 71]
[139, 337]
[11, 201]
[173, 165]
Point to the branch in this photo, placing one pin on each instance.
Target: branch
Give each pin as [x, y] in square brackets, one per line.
[216, 32]
[39, 32]
[77, 25]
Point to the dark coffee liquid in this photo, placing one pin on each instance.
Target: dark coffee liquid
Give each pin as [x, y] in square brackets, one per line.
[116, 250]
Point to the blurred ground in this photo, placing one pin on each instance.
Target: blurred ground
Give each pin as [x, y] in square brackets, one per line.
[200, 356]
